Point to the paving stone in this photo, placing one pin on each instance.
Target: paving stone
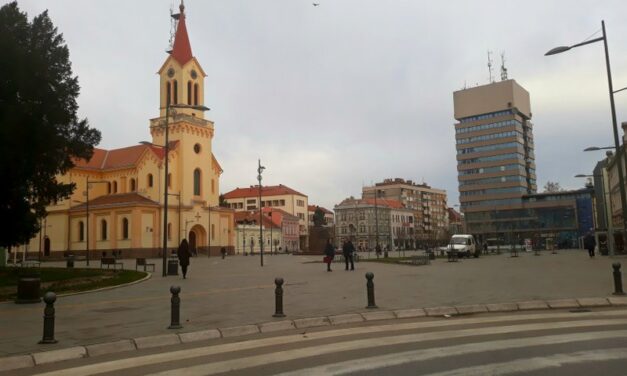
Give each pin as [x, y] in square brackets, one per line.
[15, 362]
[157, 341]
[311, 322]
[618, 300]
[345, 319]
[274, 326]
[59, 355]
[502, 307]
[110, 347]
[593, 302]
[407, 313]
[532, 304]
[202, 335]
[473, 308]
[236, 331]
[440, 311]
[563, 303]
[378, 315]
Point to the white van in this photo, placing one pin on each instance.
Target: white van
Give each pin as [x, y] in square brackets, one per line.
[463, 244]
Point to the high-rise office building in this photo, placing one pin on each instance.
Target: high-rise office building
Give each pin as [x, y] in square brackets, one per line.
[495, 153]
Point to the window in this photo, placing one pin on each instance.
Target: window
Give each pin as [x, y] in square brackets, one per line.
[169, 180]
[197, 148]
[115, 187]
[108, 187]
[124, 228]
[81, 231]
[176, 91]
[132, 184]
[300, 203]
[169, 231]
[149, 180]
[213, 186]
[301, 216]
[195, 94]
[168, 89]
[103, 230]
[197, 182]
[189, 92]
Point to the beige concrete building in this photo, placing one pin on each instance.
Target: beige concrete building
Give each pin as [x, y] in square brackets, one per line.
[495, 154]
[125, 192]
[428, 205]
[277, 196]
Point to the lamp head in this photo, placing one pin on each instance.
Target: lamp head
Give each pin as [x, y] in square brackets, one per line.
[592, 148]
[557, 50]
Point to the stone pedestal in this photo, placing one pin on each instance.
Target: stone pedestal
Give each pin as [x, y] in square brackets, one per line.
[318, 237]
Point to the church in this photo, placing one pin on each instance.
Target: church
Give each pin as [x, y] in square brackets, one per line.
[118, 205]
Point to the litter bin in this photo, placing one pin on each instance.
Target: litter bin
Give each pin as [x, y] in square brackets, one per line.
[173, 267]
[70, 261]
[28, 286]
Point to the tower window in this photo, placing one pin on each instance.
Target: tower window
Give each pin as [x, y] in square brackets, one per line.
[149, 179]
[189, 92]
[175, 91]
[195, 94]
[132, 185]
[124, 228]
[168, 88]
[103, 230]
[197, 182]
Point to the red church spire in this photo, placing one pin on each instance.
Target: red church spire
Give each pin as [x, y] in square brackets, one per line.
[182, 50]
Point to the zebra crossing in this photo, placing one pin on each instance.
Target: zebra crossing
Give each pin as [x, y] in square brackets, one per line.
[450, 346]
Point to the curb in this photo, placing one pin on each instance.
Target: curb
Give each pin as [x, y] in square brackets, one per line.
[126, 345]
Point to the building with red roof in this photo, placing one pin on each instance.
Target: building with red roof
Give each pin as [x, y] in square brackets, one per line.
[122, 206]
[273, 196]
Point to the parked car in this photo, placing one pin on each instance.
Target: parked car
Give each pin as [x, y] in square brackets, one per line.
[464, 245]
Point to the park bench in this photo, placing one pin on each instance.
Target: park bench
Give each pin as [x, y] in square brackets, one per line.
[452, 256]
[30, 263]
[140, 261]
[108, 261]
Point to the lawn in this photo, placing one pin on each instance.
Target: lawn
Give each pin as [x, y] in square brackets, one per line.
[63, 280]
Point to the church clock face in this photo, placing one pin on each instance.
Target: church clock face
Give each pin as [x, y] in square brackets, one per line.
[194, 74]
[171, 72]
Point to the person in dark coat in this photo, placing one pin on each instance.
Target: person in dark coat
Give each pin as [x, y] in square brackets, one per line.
[589, 243]
[329, 252]
[348, 249]
[184, 254]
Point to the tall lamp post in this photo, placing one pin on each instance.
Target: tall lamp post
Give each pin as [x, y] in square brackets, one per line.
[260, 169]
[623, 160]
[166, 148]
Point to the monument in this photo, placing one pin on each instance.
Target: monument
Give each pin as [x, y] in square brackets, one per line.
[318, 234]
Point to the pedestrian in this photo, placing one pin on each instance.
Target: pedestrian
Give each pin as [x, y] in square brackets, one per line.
[329, 254]
[348, 249]
[589, 243]
[223, 252]
[378, 250]
[184, 255]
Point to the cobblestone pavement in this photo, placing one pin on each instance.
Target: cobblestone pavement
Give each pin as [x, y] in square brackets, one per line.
[237, 291]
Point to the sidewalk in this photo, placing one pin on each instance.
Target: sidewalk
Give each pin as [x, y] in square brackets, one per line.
[237, 291]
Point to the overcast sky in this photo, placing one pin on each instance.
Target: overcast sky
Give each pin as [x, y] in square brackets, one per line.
[352, 91]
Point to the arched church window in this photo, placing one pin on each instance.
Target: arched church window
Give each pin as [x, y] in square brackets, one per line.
[175, 91]
[81, 231]
[189, 92]
[195, 94]
[132, 185]
[103, 229]
[108, 187]
[197, 182]
[168, 89]
[124, 228]
[115, 187]
[213, 186]
[169, 180]
[149, 179]
[169, 231]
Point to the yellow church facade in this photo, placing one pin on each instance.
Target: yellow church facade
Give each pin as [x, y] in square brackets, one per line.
[118, 204]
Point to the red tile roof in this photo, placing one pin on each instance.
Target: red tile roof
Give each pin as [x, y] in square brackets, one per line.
[253, 216]
[312, 208]
[120, 158]
[116, 200]
[253, 191]
[182, 49]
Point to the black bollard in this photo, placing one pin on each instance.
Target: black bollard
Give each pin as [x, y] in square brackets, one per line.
[278, 295]
[48, 337]
[175, 321]
[370, 289]
[618, 281]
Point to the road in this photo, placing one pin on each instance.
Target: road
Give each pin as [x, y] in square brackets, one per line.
[563, 342]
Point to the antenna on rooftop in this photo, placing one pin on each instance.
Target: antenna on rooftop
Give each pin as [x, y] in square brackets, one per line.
[490, 66]
[174, 20]
[503, 69]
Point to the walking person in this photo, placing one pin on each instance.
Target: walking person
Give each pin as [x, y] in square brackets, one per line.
[184, 255]
[348, 249]
[589, 243]
[329, 254]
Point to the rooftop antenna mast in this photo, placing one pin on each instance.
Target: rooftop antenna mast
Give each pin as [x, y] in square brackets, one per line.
[490, 66]
[503, 69]
[174, 21]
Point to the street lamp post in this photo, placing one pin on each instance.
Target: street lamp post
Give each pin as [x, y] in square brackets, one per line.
[260, 169]
[620, 161]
